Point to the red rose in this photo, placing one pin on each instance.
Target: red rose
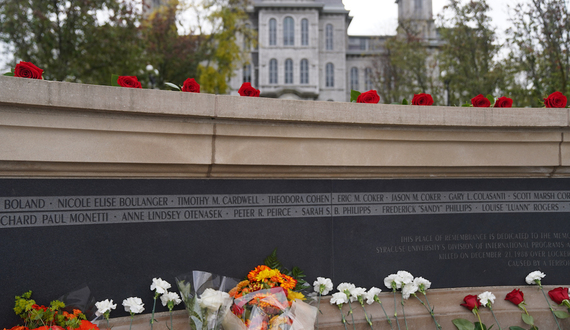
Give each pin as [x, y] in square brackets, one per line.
[368, 97]
[190, 85]
[471, 302]
[422, 99]
[247, 90]
[558, 295]
[28, 70]
[480, 101]
[516, 296]
[503, 102]
[556, 100]
[129, 81]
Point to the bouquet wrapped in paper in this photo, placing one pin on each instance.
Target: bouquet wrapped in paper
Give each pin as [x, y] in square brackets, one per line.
[205, 298]
[267, 300]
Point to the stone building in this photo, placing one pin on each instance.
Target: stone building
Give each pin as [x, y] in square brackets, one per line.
[303, 49]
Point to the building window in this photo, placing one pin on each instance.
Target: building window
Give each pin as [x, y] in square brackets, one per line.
[289, 71]
[362, 44]
[305, 32]
[418, 5]
[368, 79]
[273, 71]
[247, 73]
[288, 31]
[329, 37]
[272, 32]
[304, 71]
[329, 75]
[246, 41]
[354, 79]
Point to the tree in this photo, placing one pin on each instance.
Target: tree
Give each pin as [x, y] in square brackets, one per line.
[469, 51]
[408, 66]
[66, 39]
[175, 56]
[540, 50]
[226, 20]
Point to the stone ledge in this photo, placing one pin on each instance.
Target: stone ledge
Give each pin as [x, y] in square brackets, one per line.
[446, 303]
[81, 97]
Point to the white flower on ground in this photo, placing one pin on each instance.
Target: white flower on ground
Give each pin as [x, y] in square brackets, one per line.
[371, 294]
[323, 285]
[170, 296]
[405, 276]
[392, 279]
[534, 276]
[159, 285]
[213, 299]
[104, 306]
[486, 298]
[133, 305]
[422, 284]
[357, 292]
[408, 289]
[339, 298]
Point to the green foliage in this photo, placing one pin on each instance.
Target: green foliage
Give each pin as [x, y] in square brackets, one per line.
[354, 95]
[491, 99]
[480, 326]
[539, 46]
[173, 86]
[23, 304]
[463, 324]
[67, 40]
[514, 327]
[527, 319]
[561, 314]
[405, 102]
[272, 261]
[469, 50]
[114, 80]
[408, 66]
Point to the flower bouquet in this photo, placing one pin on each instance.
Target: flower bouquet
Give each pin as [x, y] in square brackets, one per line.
[267, 299]
[205, 298]
[56, 316]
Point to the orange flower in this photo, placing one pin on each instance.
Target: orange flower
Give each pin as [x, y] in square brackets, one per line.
[253, 274]
[86, 325]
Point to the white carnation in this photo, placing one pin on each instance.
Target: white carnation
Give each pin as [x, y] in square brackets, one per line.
[357, 292]
[159, 285]
[486, 298]
[133, 305]
[170, 296]
[534, 276]
[371, 294]
[422, 284]
[405, 276]
[392, 278]
[409, 289]
[323, 285]
[339, 298]
[345, 287]
[104, 306]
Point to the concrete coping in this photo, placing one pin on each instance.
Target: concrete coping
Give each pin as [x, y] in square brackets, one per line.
[82, 97]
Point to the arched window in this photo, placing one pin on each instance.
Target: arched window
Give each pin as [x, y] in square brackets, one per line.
[368, 79]
[247, 73]
[288, 71]
[288, 31]
[304, 32]
[273, 71]
[304, 71]
[272, 32]
[329, 75]
[329, 37]
[354, 79]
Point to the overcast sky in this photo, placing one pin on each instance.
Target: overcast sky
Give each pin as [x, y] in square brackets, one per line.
[379, 17]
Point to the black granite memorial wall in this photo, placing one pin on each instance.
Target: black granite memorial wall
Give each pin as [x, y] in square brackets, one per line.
[116, 235]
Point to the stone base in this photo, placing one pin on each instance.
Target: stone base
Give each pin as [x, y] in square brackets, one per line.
[446, 303]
